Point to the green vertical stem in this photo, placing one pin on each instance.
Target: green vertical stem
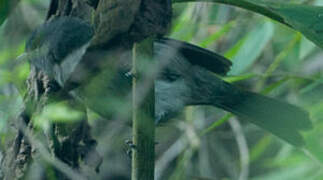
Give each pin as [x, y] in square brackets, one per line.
[143, 156]
[279, 58]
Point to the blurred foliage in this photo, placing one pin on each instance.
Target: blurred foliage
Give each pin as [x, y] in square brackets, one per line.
[268, 57]
[59, 112]
[6, 6]
[271, 57]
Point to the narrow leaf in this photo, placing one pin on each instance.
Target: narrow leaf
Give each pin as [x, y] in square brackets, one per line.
[254, 43]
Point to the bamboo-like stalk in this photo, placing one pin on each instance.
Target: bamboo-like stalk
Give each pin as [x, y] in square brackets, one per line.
[143, 154]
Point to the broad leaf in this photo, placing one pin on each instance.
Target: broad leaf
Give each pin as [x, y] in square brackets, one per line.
[304, 18]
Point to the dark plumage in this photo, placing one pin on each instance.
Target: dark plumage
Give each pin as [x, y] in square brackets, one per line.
[57, 46]
[54, 37]
[186, 79]
[198, 56]
[195, 85]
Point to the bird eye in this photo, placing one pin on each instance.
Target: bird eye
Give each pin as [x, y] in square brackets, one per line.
[169, 75]
[172, 77]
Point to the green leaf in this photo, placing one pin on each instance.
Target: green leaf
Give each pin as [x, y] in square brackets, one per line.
[260, 148]
[242, 77]
[6, 6]
[59, 113]
[212, 38]
[216, 124]
[184, 28]
[314, 138]
[296, 172]
[251, 48]
[306, 19]
[258, 6]
[306, 49]
[275, 85]
[282, 55]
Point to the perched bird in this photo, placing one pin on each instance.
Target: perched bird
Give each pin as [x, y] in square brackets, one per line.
[56, 47]
[189, 77]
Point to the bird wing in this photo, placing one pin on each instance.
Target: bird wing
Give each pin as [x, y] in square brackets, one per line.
[199, 56]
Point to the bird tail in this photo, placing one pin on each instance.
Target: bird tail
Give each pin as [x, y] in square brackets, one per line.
[280, 118]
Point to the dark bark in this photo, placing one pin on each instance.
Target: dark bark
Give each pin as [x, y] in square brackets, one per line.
[70, 143]
[73, 144]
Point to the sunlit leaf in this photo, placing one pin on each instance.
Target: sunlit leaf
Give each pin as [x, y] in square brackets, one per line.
[217, 123]
[260, 148]
[307, 48]
[184, 28]
[58, 112]
[239, 78]
[252, 46]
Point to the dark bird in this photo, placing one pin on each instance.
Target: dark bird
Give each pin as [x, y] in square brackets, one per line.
[189, 77]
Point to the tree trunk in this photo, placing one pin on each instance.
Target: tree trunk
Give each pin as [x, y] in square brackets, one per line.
[68, 146]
